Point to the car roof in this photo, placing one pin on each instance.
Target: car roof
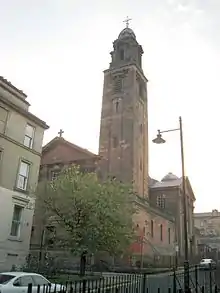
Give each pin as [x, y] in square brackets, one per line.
[18, 274]
[206, 259]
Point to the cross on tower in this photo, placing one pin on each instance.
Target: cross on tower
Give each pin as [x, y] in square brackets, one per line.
[61, 132]
[127, 21]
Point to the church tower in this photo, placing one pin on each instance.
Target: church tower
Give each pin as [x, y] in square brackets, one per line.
[123, 143]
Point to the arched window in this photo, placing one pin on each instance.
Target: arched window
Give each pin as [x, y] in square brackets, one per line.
[169, 235]
[122, 54]
[161, 232]
[152, 228]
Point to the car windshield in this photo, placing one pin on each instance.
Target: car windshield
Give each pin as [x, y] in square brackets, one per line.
[4, 279]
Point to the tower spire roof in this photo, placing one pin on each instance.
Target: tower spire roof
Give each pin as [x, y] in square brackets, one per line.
[127, 32]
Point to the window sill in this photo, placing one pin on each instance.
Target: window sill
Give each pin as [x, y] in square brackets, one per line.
[14, 238]
[21, 190]
[28, 147]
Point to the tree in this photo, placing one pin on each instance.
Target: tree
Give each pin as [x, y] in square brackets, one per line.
[96, 216]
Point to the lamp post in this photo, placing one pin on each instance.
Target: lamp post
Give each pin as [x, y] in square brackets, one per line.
[160, 140]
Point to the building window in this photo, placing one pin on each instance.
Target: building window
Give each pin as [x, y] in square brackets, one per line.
[3, 119]
[122, 54]
[29, 136]
[51, 234]
[141, 163]
[54, 175]
[16, 221]
[116, 104]
[141, 128]
[32, 231]
[152, 228]
[161, 232]
[169, 235]
[117, 85]
[23, 174]
[161, 201]
[115, 142]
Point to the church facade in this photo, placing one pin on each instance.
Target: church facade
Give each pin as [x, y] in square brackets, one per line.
[56, 155]
[123, 153]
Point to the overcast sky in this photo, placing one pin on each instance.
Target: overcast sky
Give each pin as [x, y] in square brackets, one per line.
[56, 50]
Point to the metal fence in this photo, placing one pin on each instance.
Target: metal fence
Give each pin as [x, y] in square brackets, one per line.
[201, 281]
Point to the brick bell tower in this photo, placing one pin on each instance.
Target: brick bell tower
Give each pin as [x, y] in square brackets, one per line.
[123, 143]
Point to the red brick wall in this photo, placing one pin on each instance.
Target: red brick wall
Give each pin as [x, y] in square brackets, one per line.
[143, 225]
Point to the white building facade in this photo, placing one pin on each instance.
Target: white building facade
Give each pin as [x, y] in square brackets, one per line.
[21, 138]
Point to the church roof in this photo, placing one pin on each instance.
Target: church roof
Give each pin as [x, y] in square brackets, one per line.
[169, 176]
[168, 183]
[126, 33]
[59, 150]
[58, 139]
[170, 180]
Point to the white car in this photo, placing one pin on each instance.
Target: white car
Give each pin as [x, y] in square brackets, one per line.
[207, 263]
[17, 282]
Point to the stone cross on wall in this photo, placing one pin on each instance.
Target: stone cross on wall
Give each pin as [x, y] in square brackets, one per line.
[61, 133]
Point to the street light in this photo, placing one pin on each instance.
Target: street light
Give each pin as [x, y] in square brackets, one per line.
[160, 140]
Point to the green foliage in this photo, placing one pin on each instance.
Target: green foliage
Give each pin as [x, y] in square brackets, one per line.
[94, 216]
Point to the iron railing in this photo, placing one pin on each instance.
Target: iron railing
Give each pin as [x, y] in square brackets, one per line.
[201, 281]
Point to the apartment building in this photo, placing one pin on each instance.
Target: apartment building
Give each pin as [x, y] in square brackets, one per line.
[21, 138]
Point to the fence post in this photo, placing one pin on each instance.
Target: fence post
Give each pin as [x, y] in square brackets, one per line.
[210, 278]
[174, 280]
[71, 287]
[29, 288]
[144, 282]
[196, 278]
[186, 276]
[84, 286]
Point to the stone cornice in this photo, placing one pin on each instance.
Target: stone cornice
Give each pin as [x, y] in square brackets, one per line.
[24, 113]
[20, 144]
[77, 161]
[127, 65]
[8, 86]
[161, 188]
